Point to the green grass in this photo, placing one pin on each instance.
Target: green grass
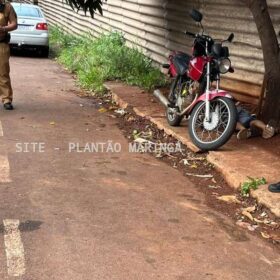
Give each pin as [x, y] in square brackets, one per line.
[251, 184]
[96, 60]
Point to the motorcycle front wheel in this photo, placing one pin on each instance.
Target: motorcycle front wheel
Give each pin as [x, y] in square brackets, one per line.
[211, 135]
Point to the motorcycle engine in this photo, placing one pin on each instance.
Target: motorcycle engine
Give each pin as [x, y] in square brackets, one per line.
[188, 93]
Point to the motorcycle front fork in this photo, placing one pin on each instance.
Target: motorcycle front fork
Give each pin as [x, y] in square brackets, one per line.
[208, 91]
[207, 102]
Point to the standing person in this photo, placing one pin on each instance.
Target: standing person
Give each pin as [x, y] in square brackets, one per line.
[8, 22]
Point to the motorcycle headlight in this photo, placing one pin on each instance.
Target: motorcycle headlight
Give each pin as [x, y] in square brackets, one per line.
[224, 65]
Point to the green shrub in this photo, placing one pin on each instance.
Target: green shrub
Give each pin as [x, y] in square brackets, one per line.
[96, 60]
[251, 184]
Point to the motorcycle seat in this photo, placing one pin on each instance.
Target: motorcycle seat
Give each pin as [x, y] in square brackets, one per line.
[181, 62]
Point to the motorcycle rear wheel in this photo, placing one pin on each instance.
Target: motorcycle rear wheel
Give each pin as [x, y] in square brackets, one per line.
[174, 119]
[214, 134]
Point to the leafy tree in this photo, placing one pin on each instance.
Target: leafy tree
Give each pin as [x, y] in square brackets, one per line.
[86, 5]
[270, 46]
[271, 53]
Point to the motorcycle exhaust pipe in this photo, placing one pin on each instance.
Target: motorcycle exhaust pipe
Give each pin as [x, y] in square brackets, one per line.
[163, 100]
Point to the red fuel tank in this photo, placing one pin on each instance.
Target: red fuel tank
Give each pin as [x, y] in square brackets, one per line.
[196, 68]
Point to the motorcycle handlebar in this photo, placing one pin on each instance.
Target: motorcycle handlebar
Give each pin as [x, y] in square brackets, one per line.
[198, 36]
[189, 33]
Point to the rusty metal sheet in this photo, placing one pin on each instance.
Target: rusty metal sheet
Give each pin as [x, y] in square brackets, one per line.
[157, 27]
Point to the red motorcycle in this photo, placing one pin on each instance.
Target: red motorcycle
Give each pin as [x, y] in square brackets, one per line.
[211, 111]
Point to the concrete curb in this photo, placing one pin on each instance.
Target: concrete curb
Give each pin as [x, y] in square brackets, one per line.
[231, 163]
[168, 130]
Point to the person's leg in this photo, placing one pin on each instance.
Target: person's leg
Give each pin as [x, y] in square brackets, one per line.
[267, 131]
[258, 124]
[243, 132]
[6, 91]
[243, 124]
[239, 126]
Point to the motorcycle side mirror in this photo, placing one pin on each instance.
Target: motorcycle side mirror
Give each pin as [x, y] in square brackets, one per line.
[231, 37]
[196, 15]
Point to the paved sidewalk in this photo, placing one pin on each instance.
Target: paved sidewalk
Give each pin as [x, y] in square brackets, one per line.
[236, 160]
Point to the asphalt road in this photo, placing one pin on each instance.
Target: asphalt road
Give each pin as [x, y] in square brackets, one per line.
[84, 215]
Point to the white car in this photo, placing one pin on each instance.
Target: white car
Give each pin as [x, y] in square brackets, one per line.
[32, 31]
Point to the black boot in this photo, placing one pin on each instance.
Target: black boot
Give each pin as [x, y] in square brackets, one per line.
[8, 106]
[274, 187]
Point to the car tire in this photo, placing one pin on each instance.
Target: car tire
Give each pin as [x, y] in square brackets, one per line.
[44, 52]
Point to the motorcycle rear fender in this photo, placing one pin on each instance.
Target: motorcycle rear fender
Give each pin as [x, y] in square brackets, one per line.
[212, 95]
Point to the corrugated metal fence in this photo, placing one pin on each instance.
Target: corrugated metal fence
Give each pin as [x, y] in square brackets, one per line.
[157, 27]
